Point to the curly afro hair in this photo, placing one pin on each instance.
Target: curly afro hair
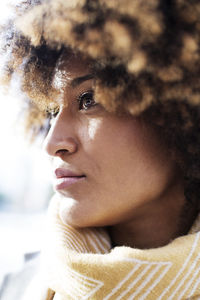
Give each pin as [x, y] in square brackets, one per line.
[146, 61]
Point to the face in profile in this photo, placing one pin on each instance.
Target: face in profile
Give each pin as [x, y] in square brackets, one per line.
[107, 169]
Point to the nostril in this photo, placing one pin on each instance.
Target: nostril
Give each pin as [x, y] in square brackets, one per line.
[61, 151]
[58, 146]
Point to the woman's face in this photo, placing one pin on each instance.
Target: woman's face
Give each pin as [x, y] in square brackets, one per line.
[107, 169]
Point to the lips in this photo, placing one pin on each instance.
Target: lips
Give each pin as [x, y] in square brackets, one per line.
[65, 178]
[61, 172]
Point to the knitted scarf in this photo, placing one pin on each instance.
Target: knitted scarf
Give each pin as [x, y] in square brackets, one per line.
[80, 264]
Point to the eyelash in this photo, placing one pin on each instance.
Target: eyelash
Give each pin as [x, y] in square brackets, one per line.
[52, 113]
[86, 96]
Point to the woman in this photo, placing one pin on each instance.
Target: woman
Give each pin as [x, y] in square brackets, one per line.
[119, 84]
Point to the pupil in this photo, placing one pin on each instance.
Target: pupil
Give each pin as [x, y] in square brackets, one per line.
[88, 102]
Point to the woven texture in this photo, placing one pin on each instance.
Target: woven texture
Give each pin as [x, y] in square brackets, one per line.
[80, 264]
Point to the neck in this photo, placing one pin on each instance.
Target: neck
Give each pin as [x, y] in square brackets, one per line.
[157, 224]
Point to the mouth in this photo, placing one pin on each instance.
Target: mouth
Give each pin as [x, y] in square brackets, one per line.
[64, 182]
[65, 178]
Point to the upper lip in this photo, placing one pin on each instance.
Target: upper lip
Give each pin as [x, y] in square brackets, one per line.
[62, 172]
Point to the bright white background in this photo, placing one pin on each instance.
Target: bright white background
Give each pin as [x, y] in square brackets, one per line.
[24, 182]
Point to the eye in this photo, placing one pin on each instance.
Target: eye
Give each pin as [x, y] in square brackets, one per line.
[86, 100]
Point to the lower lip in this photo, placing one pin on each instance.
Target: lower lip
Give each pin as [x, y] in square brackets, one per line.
[65, 182]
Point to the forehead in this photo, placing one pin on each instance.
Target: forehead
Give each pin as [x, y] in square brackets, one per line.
[71, 70]
[69, 67]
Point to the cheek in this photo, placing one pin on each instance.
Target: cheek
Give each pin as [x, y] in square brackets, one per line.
[113, 139]
[91, 133]
[93, 127]
[124, 149]
[126, 167]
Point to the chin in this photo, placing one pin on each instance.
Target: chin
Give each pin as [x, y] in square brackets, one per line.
[74, 217]
[79, 220]
[73, 213]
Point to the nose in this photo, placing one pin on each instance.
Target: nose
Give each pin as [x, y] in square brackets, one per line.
[61, 140]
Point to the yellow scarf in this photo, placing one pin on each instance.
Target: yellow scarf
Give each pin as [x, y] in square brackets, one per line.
[80, 264]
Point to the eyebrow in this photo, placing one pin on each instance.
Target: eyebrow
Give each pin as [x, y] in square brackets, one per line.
[77, 81]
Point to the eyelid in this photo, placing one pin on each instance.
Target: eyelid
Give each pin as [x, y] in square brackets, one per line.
[83, 93]
[53, 112]
[81, 96]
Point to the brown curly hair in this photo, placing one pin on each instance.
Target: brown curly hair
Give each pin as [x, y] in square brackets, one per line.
[146, 60]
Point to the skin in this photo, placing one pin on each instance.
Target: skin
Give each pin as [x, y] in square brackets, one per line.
[132, 184]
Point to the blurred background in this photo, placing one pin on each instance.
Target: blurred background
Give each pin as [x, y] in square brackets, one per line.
[25, 187]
